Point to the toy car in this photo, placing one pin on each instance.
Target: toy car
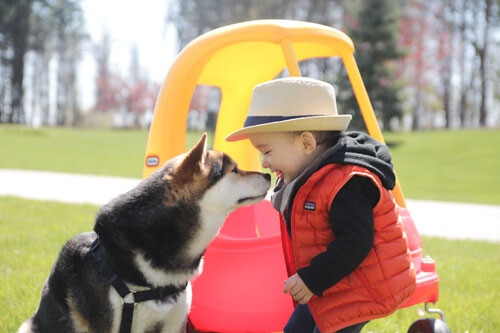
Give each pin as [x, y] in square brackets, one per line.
[240, 289]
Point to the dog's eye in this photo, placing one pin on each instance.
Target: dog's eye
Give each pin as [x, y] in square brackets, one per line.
[235, 170]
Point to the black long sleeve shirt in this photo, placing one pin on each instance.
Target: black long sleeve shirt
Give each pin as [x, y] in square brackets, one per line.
[351, 218]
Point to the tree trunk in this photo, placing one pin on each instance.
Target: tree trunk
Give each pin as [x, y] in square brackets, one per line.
[484, 86]
[417, 112]
[35, 88]
[20, 41]
[420, 36]
[481, 45]
[463, 90]
[447, 88]
[71, 94]
[483, 56]
[447, 50]
[471, 94]
[446, 104]
[3, 83]
[44, 89]
[61, 91]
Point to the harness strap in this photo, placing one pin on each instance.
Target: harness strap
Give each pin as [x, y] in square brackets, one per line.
[127, 316]
[122, 289]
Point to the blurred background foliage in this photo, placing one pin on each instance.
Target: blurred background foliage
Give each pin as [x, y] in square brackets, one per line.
[426, 63]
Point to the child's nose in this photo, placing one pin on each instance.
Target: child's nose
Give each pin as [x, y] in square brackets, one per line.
[265, 163]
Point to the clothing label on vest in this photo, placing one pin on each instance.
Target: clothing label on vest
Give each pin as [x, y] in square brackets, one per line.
[308, 205]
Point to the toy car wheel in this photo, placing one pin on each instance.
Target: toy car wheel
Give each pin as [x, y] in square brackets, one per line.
[429, 325]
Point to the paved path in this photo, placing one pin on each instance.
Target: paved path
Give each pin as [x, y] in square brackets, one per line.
[432, 218]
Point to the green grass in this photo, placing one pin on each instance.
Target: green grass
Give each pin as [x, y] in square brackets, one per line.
[31, 235]
[85, 151]
[459, 166]
[33, 232]
[468, 286]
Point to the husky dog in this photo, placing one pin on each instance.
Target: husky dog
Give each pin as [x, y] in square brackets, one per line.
[150, 238]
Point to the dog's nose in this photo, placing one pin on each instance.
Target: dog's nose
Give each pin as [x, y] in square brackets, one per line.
[267, 176]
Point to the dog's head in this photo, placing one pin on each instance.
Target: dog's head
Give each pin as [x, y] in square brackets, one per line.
[175, 213]
[213, 178]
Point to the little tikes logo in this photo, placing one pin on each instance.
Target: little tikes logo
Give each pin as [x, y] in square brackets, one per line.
[309, 205]
[152, 161]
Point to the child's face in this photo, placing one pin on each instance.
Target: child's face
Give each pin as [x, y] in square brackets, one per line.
[286, 154]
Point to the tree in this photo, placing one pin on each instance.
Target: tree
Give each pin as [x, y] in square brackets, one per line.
[68, 22]
[446, 32]
[42, 42]
[481, 43]
[140, 91]
[476, 22]
[16, 23]
[132, 93]
[29, 29]
[192, 18]
[427, 32]
[375, 39]
[447, 62]
[467, 22]
[414, 30]
[108, 84]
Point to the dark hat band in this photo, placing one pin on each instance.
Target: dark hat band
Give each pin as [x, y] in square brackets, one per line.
[259, 120]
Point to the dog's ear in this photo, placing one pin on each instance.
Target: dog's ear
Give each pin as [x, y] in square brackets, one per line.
[195, 158]
[193, 162]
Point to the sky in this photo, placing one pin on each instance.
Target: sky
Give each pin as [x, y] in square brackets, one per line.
[128, 22]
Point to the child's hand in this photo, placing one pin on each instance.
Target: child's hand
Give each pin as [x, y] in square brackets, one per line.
[298, 289]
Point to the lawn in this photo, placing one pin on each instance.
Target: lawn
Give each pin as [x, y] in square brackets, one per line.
[31, 235]
[85, 151]
[33, 232]
[456, 166]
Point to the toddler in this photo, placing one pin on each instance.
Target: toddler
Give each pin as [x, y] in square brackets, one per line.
[344, 244]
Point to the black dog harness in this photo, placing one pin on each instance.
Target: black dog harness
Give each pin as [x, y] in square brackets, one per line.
[122, 289]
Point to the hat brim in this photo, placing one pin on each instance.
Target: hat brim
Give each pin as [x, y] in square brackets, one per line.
[316, 123]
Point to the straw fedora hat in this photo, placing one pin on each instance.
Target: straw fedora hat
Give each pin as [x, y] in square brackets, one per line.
[292, 104]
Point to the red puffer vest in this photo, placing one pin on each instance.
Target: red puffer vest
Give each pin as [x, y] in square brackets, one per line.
[383, 281]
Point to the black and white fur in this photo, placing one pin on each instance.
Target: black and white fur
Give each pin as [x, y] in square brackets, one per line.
[152, 236]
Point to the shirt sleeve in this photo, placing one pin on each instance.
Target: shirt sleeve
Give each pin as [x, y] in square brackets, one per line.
[351, 218]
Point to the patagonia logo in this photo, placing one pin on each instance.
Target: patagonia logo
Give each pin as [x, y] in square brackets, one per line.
[308, 205]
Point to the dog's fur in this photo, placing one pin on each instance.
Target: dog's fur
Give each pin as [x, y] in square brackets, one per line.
[152, 236]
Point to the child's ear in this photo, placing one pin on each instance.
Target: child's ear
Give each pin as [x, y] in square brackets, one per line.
[308, 142]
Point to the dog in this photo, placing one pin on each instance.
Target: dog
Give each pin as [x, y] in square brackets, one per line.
[152, 239]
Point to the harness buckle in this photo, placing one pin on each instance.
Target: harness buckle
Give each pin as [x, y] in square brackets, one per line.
[132, 293]
[94, 244]
[128, 305]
